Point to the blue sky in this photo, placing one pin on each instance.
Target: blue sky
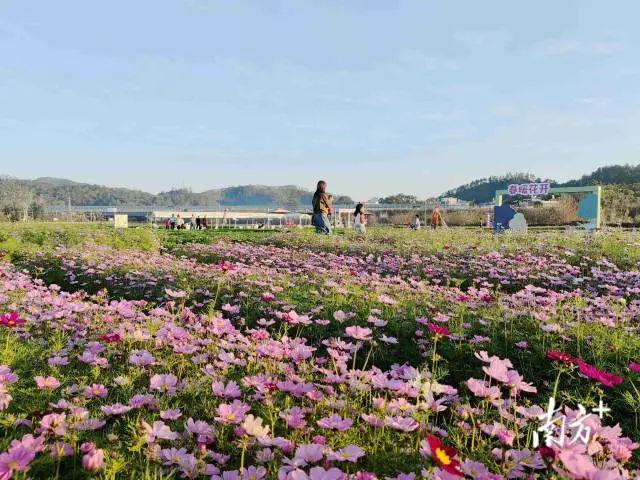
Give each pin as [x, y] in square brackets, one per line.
[377, 97]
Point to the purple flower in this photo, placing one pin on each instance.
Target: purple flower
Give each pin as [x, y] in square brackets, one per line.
[232, 413]
[173, 414]
[310, 453]
[141, 358]
[164, 383]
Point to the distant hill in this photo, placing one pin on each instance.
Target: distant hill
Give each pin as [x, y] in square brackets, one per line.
[611, 175]
[58, 191]
[483, 190]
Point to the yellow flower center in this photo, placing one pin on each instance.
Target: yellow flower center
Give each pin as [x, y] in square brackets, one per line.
[231, 416]
[442, 456]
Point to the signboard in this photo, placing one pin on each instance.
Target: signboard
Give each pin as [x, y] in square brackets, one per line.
[120, 220]
[529, 189]
[589, 207]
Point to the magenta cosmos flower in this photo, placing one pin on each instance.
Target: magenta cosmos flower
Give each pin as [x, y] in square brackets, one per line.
[605, 378]
[438, 330]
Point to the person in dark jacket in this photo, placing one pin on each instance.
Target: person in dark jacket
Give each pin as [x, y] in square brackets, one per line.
[322, 206]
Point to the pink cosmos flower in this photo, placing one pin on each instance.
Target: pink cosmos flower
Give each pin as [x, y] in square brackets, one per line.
[141, 358]
[173, 414]
[93, 460]
[6, 376]
[310, 453]
[230, 390]
[634, 367]
[47, 383]
[15, 460]
[268, 297]
[232, 413]
[350, 453]
[358, 333]
[97, 390]
[172, 456]
[294, 417]
[164, 383]
[232, 309]
[319, 473]
[482, 389]
[202, 430]
[142, 400]
[55, 423]
[254, 473]
[498, 369]
[159, 431]
[372, 420]
[335, 422]
[475, 470]
[404, 424]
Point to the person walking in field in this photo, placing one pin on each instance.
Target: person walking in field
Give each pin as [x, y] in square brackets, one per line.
[416, 223]
[192, 222]
[436, 218]
[360, 221]
[172, 221]
[322, 204]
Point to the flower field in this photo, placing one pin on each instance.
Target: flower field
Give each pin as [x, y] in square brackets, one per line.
[251, 355]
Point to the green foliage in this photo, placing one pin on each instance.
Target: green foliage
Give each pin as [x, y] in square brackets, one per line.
[400, 198]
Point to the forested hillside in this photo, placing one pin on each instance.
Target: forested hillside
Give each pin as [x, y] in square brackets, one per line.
[483, 190]
[54, 191]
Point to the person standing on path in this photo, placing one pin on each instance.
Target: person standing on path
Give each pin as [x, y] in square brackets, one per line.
[436, 218]
[322, 209]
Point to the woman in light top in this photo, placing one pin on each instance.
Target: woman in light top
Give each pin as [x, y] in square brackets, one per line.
[360, 221]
